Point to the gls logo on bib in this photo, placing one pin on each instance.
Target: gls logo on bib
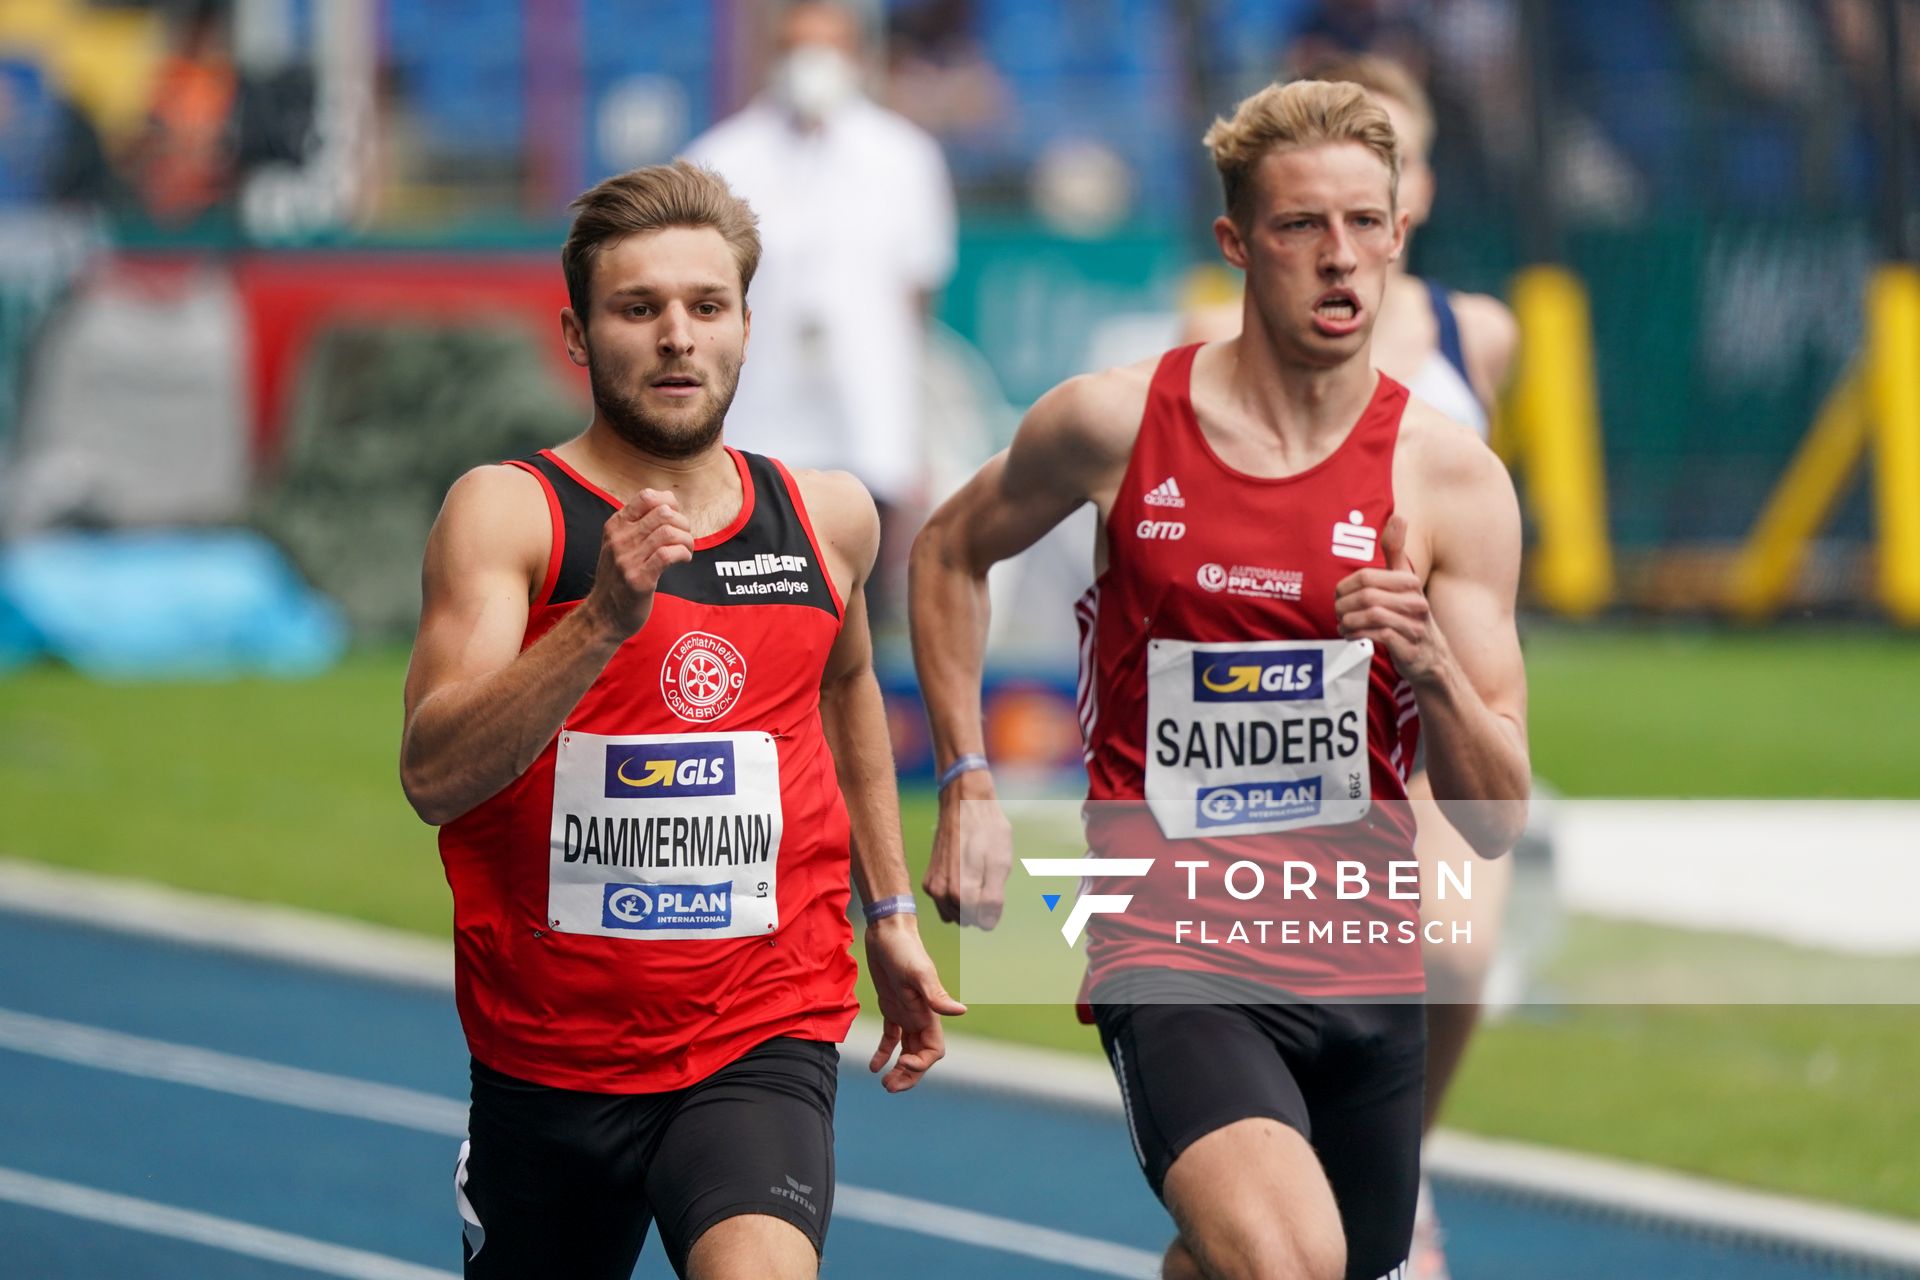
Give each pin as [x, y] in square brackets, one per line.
[669, 770]
[1256, 676]
[667, 906]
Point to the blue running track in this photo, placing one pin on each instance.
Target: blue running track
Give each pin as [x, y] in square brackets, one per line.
[175, 1113]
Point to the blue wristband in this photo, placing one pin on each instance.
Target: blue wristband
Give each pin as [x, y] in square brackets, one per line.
[901, 904]
[965, 764]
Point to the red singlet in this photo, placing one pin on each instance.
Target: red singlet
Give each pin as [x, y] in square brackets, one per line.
[666, 886]
[1226, 721]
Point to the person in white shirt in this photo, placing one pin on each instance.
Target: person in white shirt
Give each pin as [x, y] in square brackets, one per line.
[857, 218]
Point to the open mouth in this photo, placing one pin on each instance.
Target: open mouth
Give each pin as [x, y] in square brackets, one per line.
[1337, 311]
[1340, 304]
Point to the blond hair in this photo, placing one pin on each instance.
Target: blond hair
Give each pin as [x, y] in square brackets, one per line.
[1383, 78]
[681, 194]
[1305, 113]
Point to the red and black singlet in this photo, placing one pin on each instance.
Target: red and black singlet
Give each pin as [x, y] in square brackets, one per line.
[1226, 721]
[666, 886]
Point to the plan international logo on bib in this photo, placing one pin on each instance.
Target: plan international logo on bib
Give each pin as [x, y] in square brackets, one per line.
[1258, 676]
[1243, 802]
[669, 770]
[667, 906]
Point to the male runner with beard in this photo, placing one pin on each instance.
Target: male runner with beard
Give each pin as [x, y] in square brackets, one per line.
[642, 662]
[1299, 568]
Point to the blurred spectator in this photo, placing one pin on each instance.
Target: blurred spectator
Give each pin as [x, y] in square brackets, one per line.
[857, 219]
[183, 163]
[1392, 28]
[938, 74]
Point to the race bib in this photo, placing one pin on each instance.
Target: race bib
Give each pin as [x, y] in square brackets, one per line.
[1254, 737]
[662, 836]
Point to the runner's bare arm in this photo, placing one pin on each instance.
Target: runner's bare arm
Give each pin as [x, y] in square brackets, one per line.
[911, 997]
[478, 710]
[1489, 337]
[851, 710]
[1453, 637]
[1475, 713]
[1071, 448]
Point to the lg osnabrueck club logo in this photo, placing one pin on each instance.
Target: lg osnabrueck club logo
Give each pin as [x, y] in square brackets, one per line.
[1086, 905]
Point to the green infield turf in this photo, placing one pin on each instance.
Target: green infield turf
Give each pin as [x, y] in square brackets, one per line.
[287, 792]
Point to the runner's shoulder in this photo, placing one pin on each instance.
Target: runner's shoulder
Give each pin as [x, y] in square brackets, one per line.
[1484, 315]
[1489, 337]
[1437, 450]
[1098, 412]
[496, 513]
[841, 511]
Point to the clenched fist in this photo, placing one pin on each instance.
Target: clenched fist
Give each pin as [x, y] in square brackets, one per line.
[1389, 607]
[637, 544]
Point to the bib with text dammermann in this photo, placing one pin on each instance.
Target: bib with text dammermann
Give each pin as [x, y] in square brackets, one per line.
[665, 836]
[1256, 736]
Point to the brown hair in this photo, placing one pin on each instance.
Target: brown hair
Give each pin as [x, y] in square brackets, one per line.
[1383, 78]
[681, 194]
[1305, 113]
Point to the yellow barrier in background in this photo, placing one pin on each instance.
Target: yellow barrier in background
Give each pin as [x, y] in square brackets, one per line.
[1873, 413]
[1764, 575]
[1556, 409]
[1893, 378]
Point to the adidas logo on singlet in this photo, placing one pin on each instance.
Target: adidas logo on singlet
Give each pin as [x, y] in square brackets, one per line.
[1165, 494]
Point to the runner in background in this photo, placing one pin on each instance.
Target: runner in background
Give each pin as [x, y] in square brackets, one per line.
[643, 711]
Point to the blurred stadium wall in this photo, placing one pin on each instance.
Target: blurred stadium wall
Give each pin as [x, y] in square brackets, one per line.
[397, 171]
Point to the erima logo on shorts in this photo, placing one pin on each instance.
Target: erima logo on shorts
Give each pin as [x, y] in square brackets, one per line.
[666, 770]
[760, 566]
[667, 906]
[1243, 802]
[1256, 676]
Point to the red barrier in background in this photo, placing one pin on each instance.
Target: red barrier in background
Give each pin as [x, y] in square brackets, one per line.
[291, 298]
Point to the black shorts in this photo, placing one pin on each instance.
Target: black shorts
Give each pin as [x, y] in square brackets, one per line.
[556, 1183]
[1349, 1077]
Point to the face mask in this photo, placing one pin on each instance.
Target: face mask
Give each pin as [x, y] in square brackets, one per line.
[813, 80]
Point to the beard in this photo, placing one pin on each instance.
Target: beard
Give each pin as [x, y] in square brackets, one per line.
[676, 434]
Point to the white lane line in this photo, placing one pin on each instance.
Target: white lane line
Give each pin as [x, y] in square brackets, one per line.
[1672, 1198]
[205, 1229]
[226, 1073]
[429, 1113]
[984, 1230]
[287, 934]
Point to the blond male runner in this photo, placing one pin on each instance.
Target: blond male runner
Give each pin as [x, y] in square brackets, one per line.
[1339, 554]
[1452, 350]
[643, 711]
